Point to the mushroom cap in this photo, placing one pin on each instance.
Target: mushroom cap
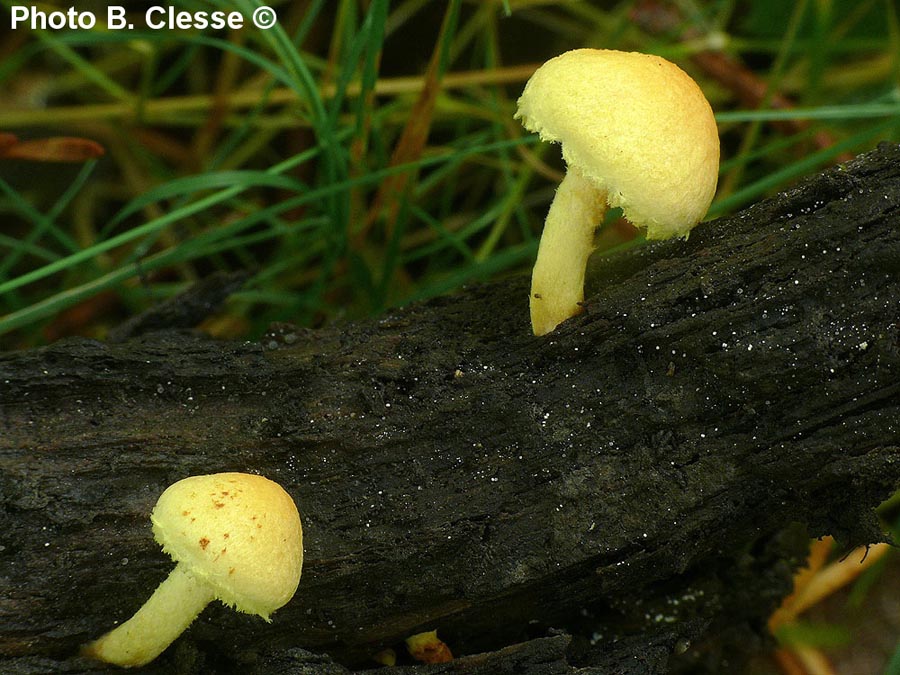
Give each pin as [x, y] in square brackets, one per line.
[240, 533]
[637, 126]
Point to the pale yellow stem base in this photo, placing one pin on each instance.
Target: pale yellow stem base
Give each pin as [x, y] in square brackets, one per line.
[557, 281]
[172, 607]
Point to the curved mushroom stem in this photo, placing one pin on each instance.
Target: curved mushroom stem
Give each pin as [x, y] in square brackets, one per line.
[557, 281]
[173, 606]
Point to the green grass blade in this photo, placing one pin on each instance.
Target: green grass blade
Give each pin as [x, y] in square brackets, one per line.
[190, 185]
[835, 112]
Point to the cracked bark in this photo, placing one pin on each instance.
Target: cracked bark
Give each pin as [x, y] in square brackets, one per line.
[646, 475]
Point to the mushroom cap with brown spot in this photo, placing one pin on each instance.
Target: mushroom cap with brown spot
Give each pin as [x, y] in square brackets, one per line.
[637, 126]
[238, 532]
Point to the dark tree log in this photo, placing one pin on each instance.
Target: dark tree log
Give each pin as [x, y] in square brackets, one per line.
[636, 473]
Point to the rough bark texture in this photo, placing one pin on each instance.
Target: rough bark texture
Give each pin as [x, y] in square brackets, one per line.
[647, 474]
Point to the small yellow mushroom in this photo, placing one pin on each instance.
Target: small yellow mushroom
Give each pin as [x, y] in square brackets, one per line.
[236, 537]
[428, 648]
[637, 133]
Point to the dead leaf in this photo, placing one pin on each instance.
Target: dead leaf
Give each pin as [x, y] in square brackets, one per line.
[53, 149]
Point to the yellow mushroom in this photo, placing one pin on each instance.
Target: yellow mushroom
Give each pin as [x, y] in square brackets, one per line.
[636, 133]
[427, 647]
[236, 537]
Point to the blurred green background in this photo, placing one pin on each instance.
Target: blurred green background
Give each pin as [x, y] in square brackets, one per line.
[362, 154]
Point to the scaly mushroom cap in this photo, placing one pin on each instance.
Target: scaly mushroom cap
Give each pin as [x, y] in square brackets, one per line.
[637, 126]
[240, 533]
